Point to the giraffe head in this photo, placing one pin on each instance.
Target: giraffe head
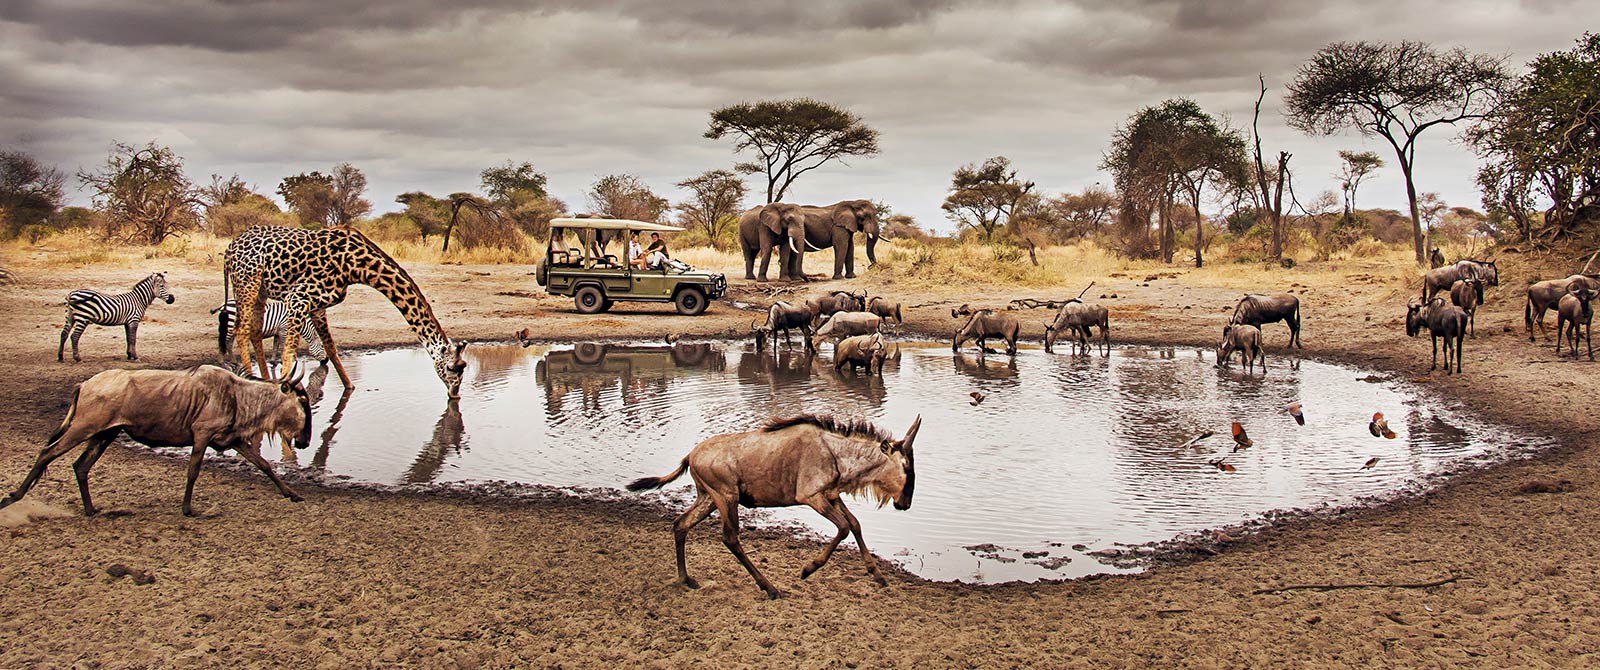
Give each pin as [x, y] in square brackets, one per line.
[448, 363]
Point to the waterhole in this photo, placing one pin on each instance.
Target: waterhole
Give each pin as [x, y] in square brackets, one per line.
[1065, 460]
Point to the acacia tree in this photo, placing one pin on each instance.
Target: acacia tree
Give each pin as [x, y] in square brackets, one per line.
[624, 196]
[334, 199]
[143, 193]
[511, 181]
[1143, 174]
[1394, 91]
[984, 197]
[1355, 169]
[716, 197]
[1544, 140]
[1202, 149]
[791, 137]
[30, 192]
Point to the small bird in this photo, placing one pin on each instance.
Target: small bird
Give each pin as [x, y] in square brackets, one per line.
[977, 398]
[1222, 465]
[1294, 411]
[524, 338]
[1379, 426]
[1370, 462]
[1240, 439]
[1196, 440]
[673, 338]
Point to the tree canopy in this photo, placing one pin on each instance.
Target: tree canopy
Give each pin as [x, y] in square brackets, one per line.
[717, 196]
[1393, 91]
[508, 182]
[984, 197]
[30, 192]
[334, 199]
[143, 193]
[624, 196]
[791, 137]
[1170, 147]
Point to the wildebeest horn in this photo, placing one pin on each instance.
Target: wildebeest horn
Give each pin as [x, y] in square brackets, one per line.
[905, 442]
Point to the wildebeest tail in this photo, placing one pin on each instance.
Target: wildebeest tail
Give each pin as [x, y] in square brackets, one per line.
[72, 411]
[897, 317]
[647, 483]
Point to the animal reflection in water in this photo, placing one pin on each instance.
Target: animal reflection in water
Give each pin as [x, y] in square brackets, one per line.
[803, 460]
[590, 369]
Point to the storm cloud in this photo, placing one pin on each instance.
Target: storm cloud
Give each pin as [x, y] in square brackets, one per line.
[422, 95]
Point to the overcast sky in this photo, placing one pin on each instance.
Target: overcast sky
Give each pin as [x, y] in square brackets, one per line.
[422, 95]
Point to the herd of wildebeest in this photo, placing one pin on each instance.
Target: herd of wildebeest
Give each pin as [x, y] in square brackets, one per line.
[801, 460]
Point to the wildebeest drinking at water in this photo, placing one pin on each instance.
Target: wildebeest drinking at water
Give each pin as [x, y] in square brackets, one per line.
[802, 460]
[203, 407]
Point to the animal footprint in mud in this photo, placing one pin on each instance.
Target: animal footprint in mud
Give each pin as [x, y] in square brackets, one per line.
[1222, 465]
[977, 398]
[1294, 411]
[1370, 462]
[1240, 439]
[1379, 426]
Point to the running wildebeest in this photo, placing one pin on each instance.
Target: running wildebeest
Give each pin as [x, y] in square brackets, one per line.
[802, 460]
[1574, 313]
[1546, 294]
[985, 323]
[886, 310]
[845, 324]
[1247, 341]
[197, 408]
[1257, 309]
[1468, 294]
[1443, 320]
[1442, 278]
[1079, 318]
[785, 317]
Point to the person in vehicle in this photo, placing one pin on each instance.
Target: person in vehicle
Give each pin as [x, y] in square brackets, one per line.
[636, 256]
[656, 254]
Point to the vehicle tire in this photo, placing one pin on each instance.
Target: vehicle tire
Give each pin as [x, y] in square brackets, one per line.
[589, 299]
[690, 301]
[541, 273]
[607, 305]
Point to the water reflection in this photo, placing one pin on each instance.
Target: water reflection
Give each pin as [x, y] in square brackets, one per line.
[1064, 450]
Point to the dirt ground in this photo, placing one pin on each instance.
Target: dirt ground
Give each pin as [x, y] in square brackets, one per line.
[363, 579]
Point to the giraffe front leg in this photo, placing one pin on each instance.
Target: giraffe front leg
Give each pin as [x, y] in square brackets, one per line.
[319, 320]
[247, 322]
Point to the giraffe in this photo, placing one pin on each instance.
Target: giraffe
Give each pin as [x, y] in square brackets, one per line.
[310, 270]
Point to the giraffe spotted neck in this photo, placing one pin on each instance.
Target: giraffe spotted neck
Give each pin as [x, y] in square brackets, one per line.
[378, 270]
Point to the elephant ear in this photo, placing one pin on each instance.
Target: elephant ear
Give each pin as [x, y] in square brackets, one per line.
[770, 219]
[845, 217]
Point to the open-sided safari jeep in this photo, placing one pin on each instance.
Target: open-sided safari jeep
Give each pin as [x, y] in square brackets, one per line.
[596, 279]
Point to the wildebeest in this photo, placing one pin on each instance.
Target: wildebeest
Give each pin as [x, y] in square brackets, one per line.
[1546, 294]
[838, 301]
[197, 408]
[886, 310]
[1573, 314]
[1079, 317]
[785, 317]
[1443, 320]
[1442, 278]
[1247, 341]
[986, 323]
[1468, 294]
[801, 460]
[1257, 309]
[860, 351]
[844, 324]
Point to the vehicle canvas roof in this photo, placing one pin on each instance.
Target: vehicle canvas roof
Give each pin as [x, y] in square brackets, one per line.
[615, 224]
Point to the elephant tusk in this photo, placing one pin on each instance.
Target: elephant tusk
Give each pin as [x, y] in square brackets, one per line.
[792, 247]
[809, 244]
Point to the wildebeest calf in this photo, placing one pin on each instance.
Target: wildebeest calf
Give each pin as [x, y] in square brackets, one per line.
[1574, 314]
[198, 408]
[1247, 341]
[1546, 294]
[1468, 294]
[1443, 320]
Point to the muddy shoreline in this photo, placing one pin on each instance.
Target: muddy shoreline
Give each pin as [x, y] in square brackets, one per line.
[411, 579]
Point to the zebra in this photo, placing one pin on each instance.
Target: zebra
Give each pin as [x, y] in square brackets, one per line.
[125, 309]
[272, 319]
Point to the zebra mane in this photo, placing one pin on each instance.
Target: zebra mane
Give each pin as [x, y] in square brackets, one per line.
[841, 427]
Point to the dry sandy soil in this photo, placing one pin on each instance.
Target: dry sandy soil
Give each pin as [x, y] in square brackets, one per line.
[366, 579]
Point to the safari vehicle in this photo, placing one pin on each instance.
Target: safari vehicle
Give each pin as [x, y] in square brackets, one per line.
[596, 280]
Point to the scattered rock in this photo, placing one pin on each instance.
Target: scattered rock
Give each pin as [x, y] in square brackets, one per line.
[1035, 554]
[1546, 486]
[140, 577]
[1080, 547]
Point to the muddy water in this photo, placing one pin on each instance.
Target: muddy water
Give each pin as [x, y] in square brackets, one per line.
[1065, 456]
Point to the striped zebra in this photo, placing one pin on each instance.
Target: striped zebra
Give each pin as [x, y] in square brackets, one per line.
[272, 319]
[124, 309]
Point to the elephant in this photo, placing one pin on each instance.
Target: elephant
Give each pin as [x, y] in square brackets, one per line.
[834, 226]
[778, 225]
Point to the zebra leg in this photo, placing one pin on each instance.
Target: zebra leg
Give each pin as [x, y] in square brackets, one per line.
[319, 320]
[77, 332]
[131, 328]
[61, 349]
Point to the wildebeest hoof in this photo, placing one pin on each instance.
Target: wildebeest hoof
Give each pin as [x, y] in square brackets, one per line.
[880, 580]
[810, 568]
[690, 583]
[296, 499]
[189, 513]
[774, 594]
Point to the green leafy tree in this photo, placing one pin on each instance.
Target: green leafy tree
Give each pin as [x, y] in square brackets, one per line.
[791, 137]
[624, 196]
[1355, 167]
[1393, 91]
[30, 192]
[513, 181]
[1544, 141]
[143, 193]
[716, 199]
[984, 197]
[334, 199]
